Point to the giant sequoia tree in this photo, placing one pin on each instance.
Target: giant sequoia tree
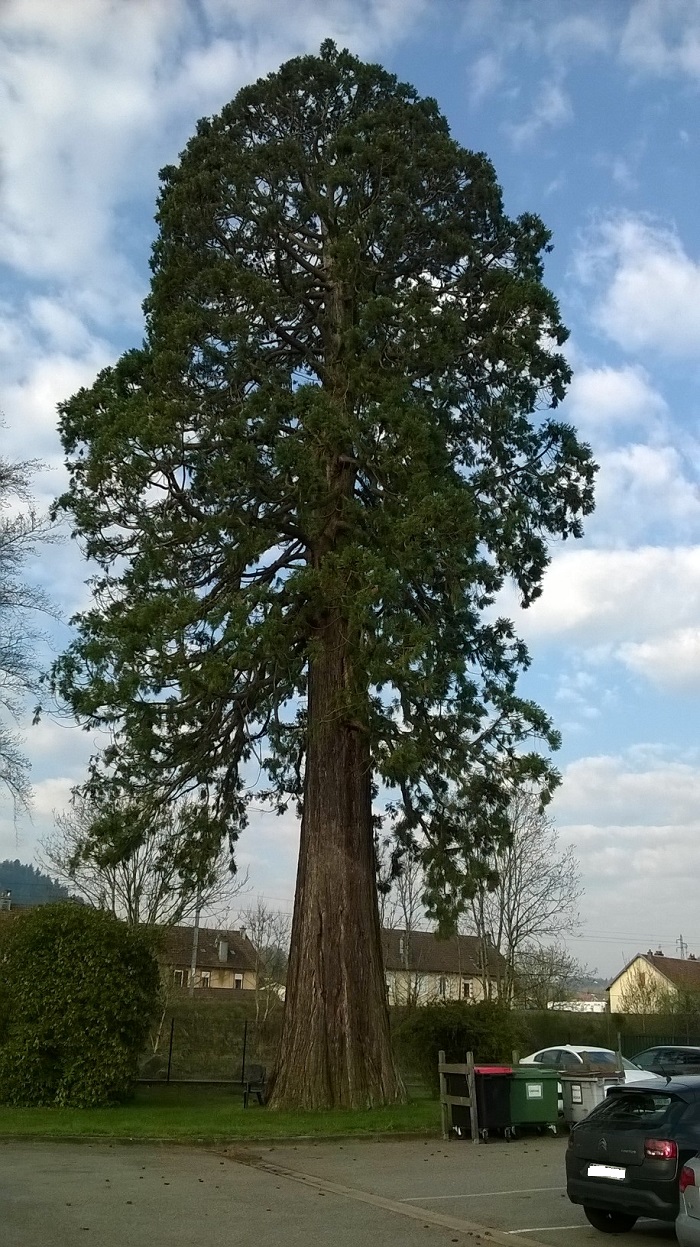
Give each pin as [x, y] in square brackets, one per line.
[303, 490]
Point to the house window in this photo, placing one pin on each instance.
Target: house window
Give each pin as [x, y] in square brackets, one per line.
[179, 978]
[442, 986]
[205, 979]
[466, 989]
[238, 981]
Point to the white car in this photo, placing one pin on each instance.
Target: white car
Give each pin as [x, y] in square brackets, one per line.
[688, 1219]
[569, 1056]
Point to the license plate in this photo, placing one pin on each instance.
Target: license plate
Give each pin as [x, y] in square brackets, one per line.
[606, 1171]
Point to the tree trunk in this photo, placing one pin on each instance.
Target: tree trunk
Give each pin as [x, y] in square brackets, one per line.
[335, 1049]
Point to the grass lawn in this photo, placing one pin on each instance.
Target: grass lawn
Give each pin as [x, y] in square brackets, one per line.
[211, 1115]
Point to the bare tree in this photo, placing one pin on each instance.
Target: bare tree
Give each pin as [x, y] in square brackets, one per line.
[544, 974]
[269, 931]
[21, 531]
[535, 897]
[139, 867]
[401, 909]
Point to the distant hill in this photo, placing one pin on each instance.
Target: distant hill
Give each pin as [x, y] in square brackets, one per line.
[28, 885]
[590, 982]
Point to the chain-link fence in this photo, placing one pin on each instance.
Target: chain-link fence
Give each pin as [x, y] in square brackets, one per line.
[679, 1037]
[197, 1043]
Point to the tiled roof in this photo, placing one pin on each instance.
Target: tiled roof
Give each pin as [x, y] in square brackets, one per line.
[177, 948]
[682, 973]
[460, 954]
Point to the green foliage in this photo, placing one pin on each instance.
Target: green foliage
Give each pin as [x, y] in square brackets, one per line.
[339, 412]
[81, 989]
[487, 1029]
[545, 1028]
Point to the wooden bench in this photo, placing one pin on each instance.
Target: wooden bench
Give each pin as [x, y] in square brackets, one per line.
[254, 1083]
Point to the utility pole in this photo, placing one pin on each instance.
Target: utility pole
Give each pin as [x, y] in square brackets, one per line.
[681, 946]
[195, 939]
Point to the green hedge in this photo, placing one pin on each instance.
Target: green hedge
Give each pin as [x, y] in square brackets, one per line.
[80, 990]
[486, 1029]
[545, 1028]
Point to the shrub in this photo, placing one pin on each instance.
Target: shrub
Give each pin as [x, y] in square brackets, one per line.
[487, 1029]
[80, 991]
[548, 1028]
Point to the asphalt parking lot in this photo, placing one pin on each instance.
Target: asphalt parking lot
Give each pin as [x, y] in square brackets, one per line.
[390, 1193]
[515, 1188]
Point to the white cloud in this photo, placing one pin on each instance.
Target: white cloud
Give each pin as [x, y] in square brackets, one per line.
[550, 110]
[606, 399]
[613, 597]
[638, 607]
[485, 76]
[642, 785]
[651, 294]
[577, 34]
[672, 662]
[644, 492]
[268, 849]
[77, 99]
[633, 819]
[96, 95]
[662, 37]
[59, 753]
[579, 697]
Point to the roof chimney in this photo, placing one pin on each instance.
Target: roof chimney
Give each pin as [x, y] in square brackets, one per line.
[223, 950]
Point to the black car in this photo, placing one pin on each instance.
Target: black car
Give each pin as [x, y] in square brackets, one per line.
[623, 1160]
[674, 1060]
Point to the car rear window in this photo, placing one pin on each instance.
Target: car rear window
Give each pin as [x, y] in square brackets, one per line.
[597, 1057]
[649, 1108]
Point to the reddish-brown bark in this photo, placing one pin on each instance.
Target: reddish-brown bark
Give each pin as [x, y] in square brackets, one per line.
[335, 1049]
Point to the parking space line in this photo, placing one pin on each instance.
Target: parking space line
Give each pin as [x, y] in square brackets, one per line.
[544, 1229]
[479, 1234]
[525, 1190]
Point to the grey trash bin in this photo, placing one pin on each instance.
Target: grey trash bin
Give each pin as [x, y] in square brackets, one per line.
[581, 1093]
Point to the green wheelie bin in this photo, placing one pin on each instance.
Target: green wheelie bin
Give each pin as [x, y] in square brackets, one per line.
[534, 1098]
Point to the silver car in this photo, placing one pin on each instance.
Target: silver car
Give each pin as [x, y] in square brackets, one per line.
[688, 1219]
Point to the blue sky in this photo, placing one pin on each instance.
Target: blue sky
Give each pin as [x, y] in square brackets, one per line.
[589, 112]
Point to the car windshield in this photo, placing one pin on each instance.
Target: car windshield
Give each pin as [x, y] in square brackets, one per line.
[649, 1108]
[627, 1064]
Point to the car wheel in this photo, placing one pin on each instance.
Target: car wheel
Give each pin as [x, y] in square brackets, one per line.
[609, 1222]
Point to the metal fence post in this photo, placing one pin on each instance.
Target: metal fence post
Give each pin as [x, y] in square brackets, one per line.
[245, 1044]
[444, 1110]
[170, 1049]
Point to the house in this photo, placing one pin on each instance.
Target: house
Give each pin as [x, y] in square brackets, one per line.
[578, 1006]
[420, 968]
[646, 982]
[225, 959]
